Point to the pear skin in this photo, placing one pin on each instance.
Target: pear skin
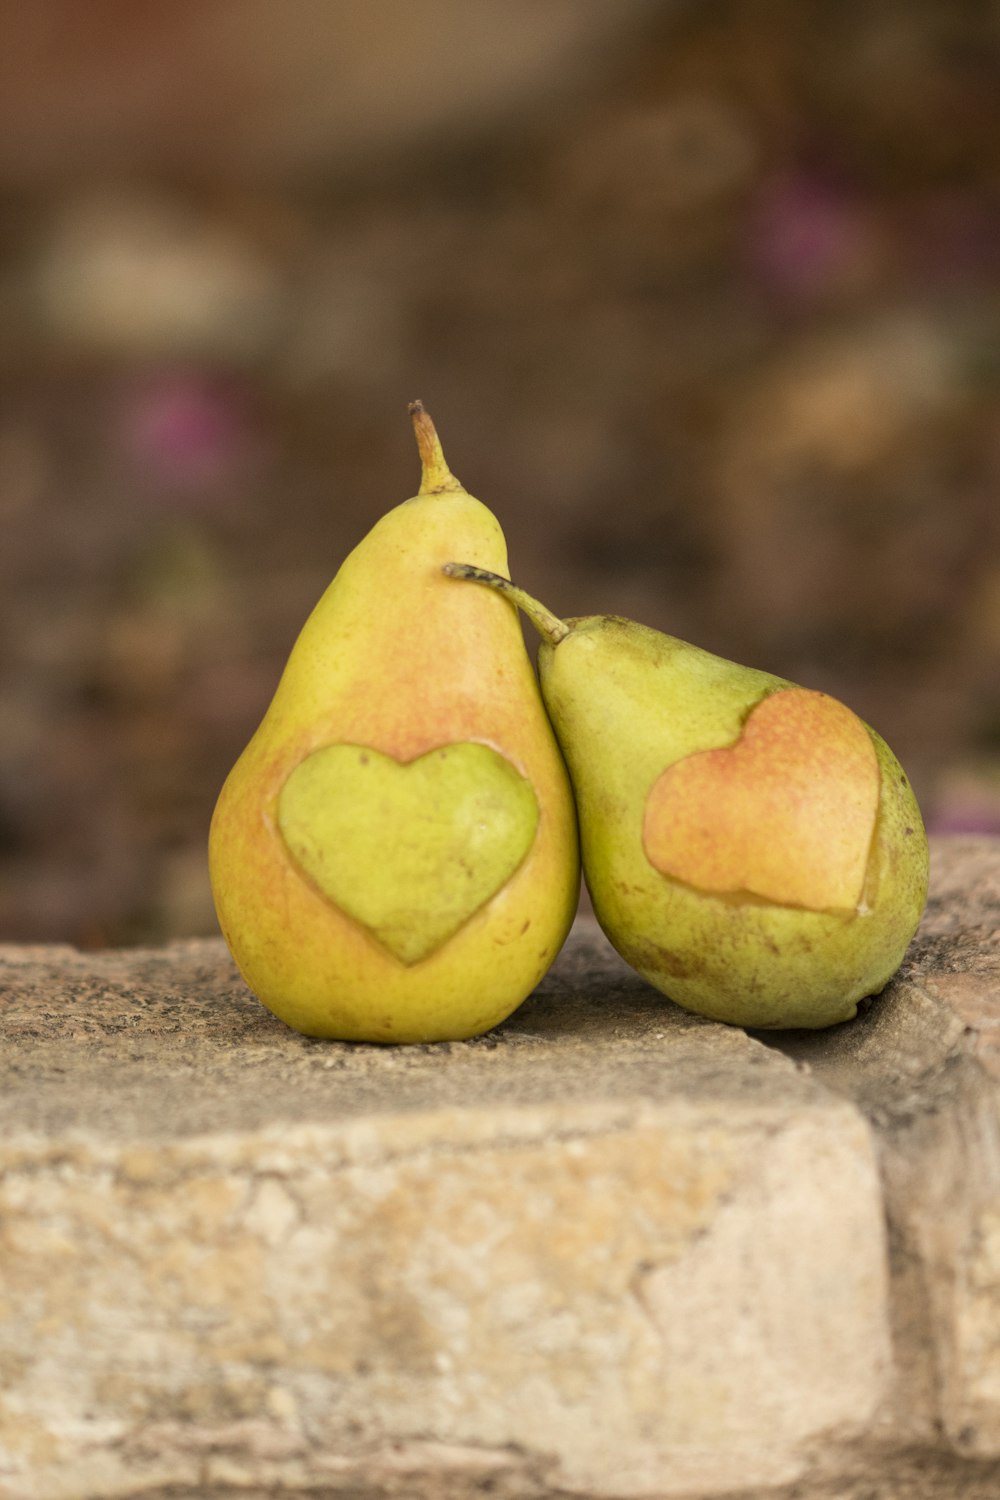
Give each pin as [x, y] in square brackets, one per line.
[394, 856]
[751, 847]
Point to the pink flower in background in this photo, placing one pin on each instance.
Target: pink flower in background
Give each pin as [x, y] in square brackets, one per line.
[185, 432]
[808, 234]
[967, 800]
[971, 817]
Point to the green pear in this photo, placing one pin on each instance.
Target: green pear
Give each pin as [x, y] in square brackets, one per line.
[751, 847]
[394, 856]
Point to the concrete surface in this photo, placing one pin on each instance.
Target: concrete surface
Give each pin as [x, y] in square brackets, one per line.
[608, 1250]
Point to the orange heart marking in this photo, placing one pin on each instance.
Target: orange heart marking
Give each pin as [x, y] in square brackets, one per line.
[786, 813]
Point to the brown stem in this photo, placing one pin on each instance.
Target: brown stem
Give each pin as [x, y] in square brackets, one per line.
[436, 474]
[548, 625]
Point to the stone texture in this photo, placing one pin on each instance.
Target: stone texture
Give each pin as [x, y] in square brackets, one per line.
[609, 1250]
[924, 1067]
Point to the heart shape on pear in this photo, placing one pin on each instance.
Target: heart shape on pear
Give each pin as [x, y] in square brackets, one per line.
[786, 813]
[409, 850]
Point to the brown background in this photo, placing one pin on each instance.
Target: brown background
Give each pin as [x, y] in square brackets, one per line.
[703, 297]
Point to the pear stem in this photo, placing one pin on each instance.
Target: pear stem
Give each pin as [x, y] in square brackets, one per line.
[549, 626]
[436, 474]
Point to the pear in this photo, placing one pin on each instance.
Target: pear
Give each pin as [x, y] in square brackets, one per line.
[394, 856]
[751, 847]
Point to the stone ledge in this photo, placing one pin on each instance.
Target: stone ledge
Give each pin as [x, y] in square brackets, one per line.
[609, 1250]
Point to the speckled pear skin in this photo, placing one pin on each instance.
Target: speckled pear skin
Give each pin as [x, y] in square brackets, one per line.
[626, 702]
[396, 659]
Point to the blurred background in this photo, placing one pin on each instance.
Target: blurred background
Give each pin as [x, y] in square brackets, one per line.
[704, 298]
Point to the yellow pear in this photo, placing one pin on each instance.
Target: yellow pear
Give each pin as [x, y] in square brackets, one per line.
[394, 856]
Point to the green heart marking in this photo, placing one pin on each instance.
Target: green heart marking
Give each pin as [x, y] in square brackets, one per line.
[411, 850]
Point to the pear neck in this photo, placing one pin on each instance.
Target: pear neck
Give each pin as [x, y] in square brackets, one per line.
[436, 477]
[551, 629]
